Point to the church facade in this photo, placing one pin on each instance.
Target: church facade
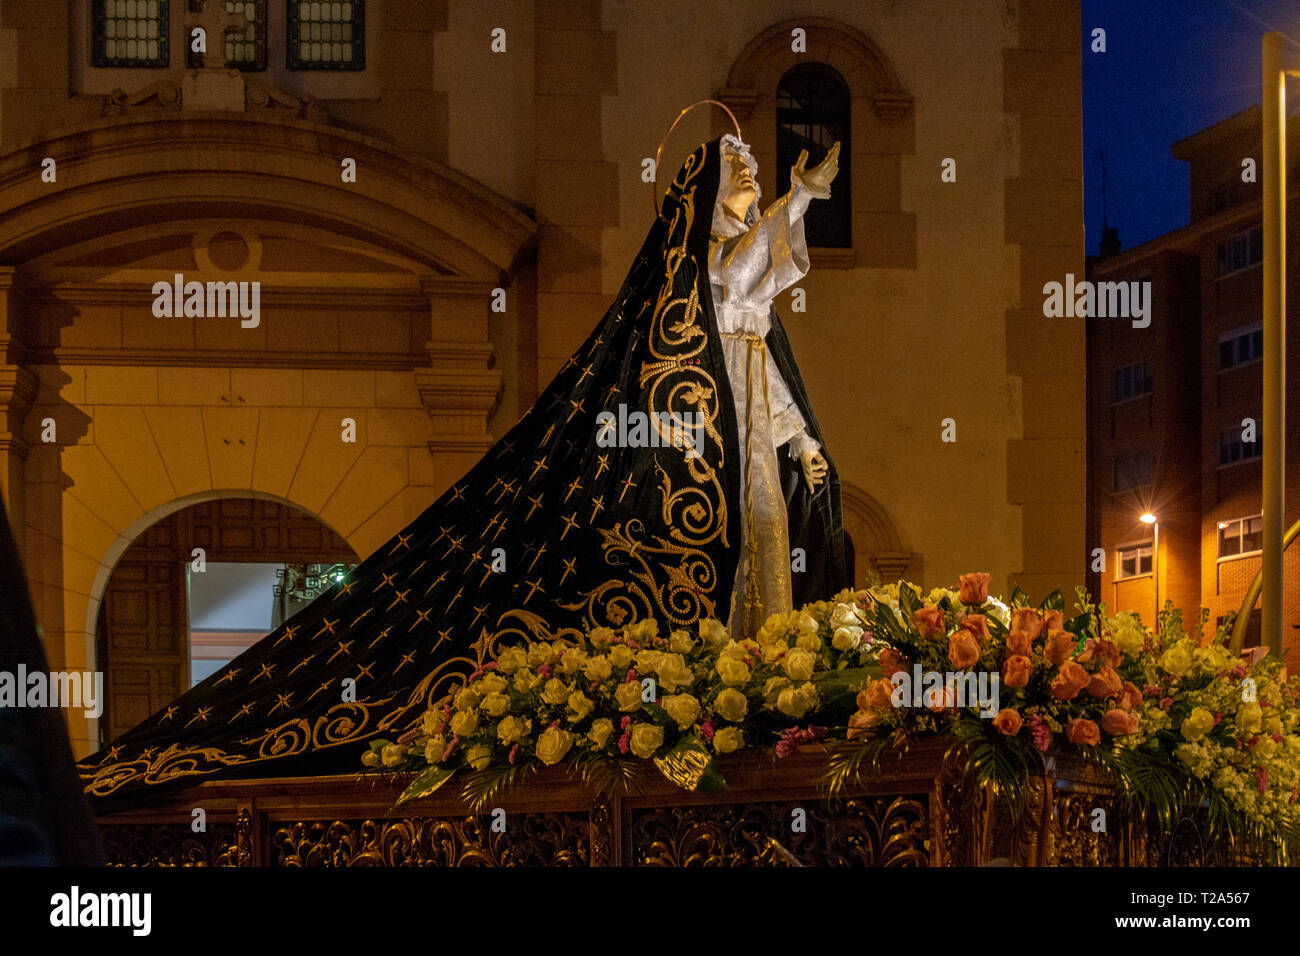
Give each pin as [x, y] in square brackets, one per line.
[435, 202]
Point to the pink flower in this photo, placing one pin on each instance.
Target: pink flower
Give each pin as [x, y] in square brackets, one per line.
[1218, 719]
[1166, 703]
[631, 676]
[624, 724]
[706, 730]
[544, 670]
[623, 743]
[451, 745]
[1262, 775]
[513, 751]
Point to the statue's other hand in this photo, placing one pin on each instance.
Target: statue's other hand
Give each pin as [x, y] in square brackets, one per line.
[814, 468]
[819, 178]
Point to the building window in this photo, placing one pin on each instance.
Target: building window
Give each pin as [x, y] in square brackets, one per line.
[1243, 249]
[1132, 381]
[1134, 471]
[1240, 347]
[1232, 450]
[1241, 536]
[129, 33]
[327, 35]
[812, 113]
[1133, 562]
[245, 47]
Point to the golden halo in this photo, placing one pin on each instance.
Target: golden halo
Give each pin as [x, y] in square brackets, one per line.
[654, 192]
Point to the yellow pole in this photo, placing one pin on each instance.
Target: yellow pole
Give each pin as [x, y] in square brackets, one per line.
[1274, 425]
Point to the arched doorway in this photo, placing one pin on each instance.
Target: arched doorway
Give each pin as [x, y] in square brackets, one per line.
[196, 588]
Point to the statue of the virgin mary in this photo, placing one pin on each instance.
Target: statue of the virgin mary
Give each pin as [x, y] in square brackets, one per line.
[558, 529]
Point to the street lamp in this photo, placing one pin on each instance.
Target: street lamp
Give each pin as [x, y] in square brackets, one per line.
[1148, 517]
[1274, 425]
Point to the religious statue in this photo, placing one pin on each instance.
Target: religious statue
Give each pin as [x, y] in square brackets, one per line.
[564, 526]
[752, 259]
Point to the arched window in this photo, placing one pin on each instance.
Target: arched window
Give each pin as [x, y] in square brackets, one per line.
[812, 112]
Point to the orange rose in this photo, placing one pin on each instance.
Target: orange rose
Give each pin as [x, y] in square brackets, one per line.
[861, 724]
[1081, 731]
[1105, 683]
[1129, 697]
[1100, 650]
[949, 698]
[1025, 622]
[973, 588]
[1008, 721]
[963, 649]
[1058, 647]
[929, 622]
[977, 624]
[878, 693]
[1019, 645]
[1069, 680]
[1118, 722]
[1016, 670]
[890, 662]
[1053, 621]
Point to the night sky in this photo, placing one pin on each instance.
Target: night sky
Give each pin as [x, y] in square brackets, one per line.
[1171, 68]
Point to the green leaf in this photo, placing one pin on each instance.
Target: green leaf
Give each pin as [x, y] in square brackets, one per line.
[426, 783]
[1053, 602]
[687, 763]
[909, 601]
[1019, 598]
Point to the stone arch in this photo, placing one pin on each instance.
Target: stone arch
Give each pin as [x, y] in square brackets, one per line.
[876, 543]
[881, 120]
[279, 533]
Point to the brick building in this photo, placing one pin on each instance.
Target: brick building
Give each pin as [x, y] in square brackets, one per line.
[1171, 406]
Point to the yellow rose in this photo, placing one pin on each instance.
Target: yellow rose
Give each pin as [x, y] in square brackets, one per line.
[467, 700]
[1197, 724]
[600, 732]
[553, 744]
[370, 759]
[674, 673]
[805, 623]
[1177, 659]
[494, 704]
[597, 669]
[601, 636]
[1128, 637]
[526, 680]
[683, 708]
[731, 705]
[579, 706]
[555, 692]
[430, 723]
[539, 654]
[648, 662]
[464, 723]
[621, 656]
[1273, 725]
[791, 702]
[512, 729]
[713, 632]
[493, 684]
[646, 739]
[391, 755]
[628, 696]
[511, 659]
[680, 642]
[643, 630]
[434, 748]
[846, 638]
[809, 642]
[479, 756]
[733, 672]
[1249, 717]
[807, 691]
[798, 664]
[728, 739]
[572, 661]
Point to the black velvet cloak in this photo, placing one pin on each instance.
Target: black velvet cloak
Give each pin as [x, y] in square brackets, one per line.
[549, 534]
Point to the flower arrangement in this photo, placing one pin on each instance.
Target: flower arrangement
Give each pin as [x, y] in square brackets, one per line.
[1176, 719]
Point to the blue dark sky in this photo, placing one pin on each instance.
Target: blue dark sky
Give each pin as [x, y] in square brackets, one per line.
[1171, 68]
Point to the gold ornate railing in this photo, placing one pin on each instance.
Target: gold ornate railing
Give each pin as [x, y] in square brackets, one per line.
[911, 812]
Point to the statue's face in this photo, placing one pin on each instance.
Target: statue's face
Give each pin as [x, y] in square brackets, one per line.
[739, 184]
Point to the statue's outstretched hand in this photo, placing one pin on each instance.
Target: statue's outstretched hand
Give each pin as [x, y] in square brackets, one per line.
[814, 468]
[818, 179]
